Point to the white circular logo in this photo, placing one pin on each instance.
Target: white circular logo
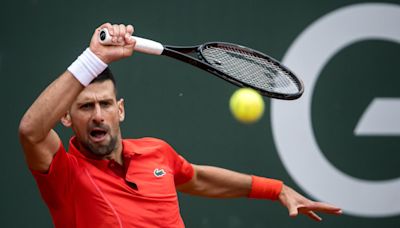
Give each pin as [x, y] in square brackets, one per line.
[291, 121]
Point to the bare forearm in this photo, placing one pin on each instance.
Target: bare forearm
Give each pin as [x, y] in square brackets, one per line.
[49, 107]
[218, 183]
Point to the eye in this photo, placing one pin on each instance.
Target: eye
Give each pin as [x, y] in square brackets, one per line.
[105, 104]
[86, 106]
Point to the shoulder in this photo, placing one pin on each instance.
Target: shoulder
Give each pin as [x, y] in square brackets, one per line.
[146, 145]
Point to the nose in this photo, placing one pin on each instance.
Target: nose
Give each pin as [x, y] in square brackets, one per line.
[97, 114]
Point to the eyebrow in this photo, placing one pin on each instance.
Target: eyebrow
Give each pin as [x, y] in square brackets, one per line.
[86, 101]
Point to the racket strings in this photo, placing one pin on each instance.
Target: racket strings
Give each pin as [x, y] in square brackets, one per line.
[251, 69]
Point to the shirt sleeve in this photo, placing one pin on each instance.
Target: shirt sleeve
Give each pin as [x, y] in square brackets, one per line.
[54, 184]
[184, 171]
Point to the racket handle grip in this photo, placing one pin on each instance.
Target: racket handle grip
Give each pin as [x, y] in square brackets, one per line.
[142, 45]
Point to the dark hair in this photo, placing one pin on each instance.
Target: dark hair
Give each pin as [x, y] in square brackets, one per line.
[104, 76]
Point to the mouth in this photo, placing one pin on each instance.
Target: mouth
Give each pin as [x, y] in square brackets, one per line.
[98, 134]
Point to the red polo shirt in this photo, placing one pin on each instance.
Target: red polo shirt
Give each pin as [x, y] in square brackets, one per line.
[82, 192]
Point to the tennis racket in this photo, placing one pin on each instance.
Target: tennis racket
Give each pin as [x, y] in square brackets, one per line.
[239, 65]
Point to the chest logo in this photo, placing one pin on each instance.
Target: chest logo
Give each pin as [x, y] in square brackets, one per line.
[159, 172]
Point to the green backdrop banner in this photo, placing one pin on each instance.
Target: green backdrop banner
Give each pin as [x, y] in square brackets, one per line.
[338, 143]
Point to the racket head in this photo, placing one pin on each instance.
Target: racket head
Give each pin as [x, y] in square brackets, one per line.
[247, 67]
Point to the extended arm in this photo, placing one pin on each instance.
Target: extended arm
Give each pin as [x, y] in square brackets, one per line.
[216, 182]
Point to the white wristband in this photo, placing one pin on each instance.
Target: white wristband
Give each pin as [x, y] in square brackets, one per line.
[87, 67]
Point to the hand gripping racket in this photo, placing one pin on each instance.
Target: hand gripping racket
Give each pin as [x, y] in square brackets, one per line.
[236, 64]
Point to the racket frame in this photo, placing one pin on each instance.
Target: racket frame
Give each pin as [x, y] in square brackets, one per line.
[182, 53]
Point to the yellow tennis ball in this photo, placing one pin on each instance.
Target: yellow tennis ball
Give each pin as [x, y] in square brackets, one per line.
[246, 105]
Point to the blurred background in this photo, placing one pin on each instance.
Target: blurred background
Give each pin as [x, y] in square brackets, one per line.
[190, 108]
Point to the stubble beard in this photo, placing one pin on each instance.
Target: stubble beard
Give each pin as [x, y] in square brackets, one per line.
[101, 150]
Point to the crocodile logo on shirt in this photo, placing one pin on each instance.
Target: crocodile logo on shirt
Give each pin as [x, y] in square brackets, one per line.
[159, 172]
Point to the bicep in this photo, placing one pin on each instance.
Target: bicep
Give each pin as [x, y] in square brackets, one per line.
[217, 182]
[39, 155]
[190, 186]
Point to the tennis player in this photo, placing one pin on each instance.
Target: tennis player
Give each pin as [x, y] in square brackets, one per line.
[107, 181]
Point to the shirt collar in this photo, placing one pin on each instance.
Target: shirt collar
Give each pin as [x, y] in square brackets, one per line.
[129, 149]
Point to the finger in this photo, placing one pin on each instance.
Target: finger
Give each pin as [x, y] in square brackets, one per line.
[128, 36]
[293, 212]
[130, 29]
[122, 32]
[314, 216]
[129, 40]
[122, 29]
[116, 33]
[338, 212]
[129, 45]
[324, 207]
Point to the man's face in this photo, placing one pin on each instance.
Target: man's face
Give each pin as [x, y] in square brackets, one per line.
[95, 117]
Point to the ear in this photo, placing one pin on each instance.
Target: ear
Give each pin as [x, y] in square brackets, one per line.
[121, 109]
[66, 120]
